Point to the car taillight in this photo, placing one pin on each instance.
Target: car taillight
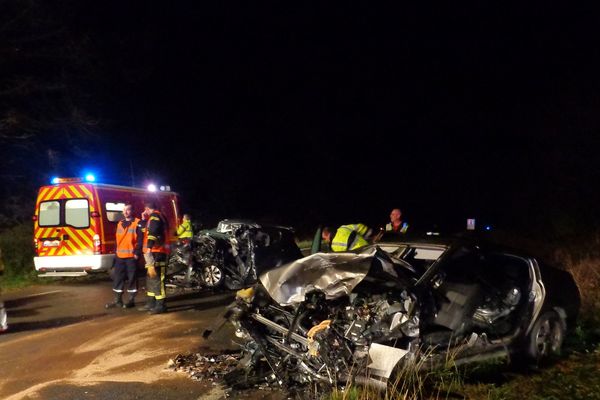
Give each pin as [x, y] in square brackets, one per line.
[34, 218]
[97, 245]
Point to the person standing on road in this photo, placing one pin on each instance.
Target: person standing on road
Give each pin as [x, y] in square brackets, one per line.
[128, 251]
[184, 230]
[347, 237]
[184, 233]
[396, 224]
[155, 256]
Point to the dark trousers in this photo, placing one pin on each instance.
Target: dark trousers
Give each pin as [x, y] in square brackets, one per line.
[125, 269]
[156, 286]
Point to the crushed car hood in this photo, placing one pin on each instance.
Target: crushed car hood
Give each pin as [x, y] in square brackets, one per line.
[334, 274]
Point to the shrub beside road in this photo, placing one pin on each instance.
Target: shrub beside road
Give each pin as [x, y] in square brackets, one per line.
[16, 250]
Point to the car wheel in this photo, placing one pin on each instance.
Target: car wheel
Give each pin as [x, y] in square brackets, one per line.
[546, 337]
[212, 276]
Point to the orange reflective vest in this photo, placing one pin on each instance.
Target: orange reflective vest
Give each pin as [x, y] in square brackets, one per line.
[155, 230]
[126, 239]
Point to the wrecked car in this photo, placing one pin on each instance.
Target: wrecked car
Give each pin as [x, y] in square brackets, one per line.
[233, 254]
[334, 317]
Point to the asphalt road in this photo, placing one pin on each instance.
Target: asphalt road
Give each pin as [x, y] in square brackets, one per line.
[63, 344]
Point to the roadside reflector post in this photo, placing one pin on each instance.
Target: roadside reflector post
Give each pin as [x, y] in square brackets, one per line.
[471, 224]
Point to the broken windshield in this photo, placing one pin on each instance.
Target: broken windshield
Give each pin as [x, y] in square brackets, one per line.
[419, 256]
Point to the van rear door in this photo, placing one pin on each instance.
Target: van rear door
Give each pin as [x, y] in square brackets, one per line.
[64, 226]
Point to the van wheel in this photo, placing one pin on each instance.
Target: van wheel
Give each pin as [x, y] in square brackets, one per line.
[546, 337]
[212, 276]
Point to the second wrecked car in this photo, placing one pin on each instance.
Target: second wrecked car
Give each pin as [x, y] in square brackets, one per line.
[234, 253]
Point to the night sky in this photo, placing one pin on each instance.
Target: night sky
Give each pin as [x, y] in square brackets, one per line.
[333, 115]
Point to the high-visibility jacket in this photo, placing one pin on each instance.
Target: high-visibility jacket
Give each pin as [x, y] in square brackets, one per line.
[184, 231]
[350, 237]
[401, 229]
[127, 238]
[155, 233]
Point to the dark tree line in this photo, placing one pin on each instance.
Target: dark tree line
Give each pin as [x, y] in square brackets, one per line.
[47, 116]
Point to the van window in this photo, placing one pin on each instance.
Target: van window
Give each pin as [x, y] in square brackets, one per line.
[77, 213]
[114, 211]
[49, 213]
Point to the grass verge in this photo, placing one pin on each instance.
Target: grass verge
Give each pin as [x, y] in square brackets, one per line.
[16, 257]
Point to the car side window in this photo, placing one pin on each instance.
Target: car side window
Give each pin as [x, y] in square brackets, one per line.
[463, 266]
[114, 211]
[501, 268]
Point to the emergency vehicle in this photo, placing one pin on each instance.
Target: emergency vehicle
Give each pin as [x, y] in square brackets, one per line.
[75, 223]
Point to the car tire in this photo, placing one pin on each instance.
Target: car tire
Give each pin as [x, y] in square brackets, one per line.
[212, 276]
[546, 337]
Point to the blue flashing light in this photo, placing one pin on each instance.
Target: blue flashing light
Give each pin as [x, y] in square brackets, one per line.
[54, 180]
[488, 228]
[152, 187]
[90, 178]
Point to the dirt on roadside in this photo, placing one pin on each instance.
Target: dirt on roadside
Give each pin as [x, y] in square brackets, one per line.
[65, 345]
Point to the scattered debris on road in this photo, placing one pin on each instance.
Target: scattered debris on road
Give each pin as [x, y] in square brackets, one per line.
[214, 368]
[200, 367]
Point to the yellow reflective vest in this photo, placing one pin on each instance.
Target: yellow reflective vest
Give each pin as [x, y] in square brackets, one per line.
[349, 237]
[184, 231]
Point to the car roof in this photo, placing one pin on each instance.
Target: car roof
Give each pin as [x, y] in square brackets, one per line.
[454, 241]
[254, 224]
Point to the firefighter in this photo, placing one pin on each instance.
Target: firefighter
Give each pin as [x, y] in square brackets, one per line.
[128, 250]
[155, 256]
[184, 231]
[347, 237]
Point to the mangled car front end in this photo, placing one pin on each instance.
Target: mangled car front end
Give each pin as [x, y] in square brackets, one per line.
[336, 317]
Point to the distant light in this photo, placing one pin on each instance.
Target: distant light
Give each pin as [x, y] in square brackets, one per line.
[54, 180]
[471, 224]
[488, 228]
[152, 187]
[90, 178]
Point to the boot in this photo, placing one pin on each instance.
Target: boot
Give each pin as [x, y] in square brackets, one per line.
[131, 302]
[150, 304]
[117, 303]
[160, 308]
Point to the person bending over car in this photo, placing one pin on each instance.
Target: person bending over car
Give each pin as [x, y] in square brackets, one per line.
[347, 237]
